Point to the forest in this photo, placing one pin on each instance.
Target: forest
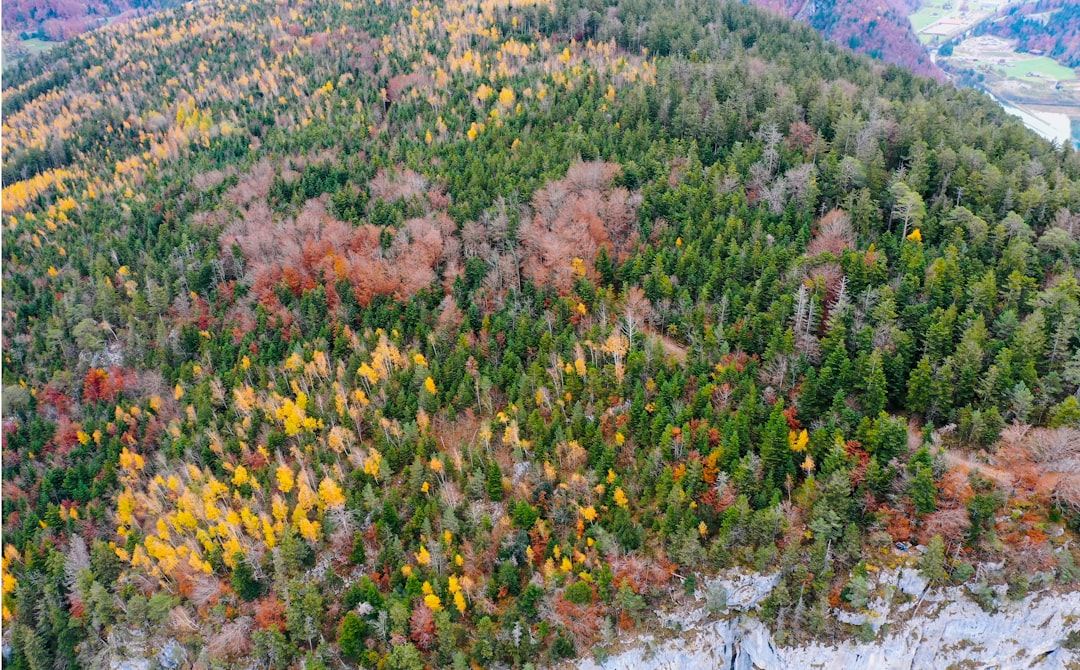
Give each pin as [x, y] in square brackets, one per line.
[880, 29]
[1050, 27]
[469, 333]
[62, 19]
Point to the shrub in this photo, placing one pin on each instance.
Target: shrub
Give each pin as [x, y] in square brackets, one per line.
[579, 593]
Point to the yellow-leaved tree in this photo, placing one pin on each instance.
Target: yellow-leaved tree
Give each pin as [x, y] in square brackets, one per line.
[422, 556]
[330, 495]
[620, 497]
[285, 478]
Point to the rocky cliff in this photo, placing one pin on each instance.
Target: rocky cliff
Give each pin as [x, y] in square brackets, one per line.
[924, 628]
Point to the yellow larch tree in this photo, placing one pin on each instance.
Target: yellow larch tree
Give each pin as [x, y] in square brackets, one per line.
[330, 495]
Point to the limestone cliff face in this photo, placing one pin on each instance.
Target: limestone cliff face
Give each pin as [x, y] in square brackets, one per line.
[932, 629]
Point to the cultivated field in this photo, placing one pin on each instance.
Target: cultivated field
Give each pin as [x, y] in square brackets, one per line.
[938, 20]
[988, 53]
[1037, 88]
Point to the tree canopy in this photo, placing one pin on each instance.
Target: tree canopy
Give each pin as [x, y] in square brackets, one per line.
[457, 332]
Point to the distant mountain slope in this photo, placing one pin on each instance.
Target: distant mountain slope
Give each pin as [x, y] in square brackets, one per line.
[1050, 27]
[62, 19]
[879, 28]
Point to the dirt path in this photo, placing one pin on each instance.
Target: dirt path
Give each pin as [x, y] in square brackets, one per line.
[671, 346]
[1022, 474]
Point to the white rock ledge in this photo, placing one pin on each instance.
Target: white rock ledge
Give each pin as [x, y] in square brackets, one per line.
[948, 629]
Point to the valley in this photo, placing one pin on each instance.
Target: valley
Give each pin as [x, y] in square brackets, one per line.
[1038, 89]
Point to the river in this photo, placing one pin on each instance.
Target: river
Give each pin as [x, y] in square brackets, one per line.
[1054, 126]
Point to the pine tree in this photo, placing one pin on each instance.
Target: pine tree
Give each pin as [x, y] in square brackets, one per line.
[358, 555]
[932, 562]
[351, 636]
[875, 392]
[775, 451]
[920, 385]
[924, 492]
[243, 579]
[494, 482]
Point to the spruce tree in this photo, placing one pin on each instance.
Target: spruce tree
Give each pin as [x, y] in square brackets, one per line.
[775, 450]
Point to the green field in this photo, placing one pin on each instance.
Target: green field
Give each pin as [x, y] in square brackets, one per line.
[964, 13]
[929, 11]
[1048, 67]
[33, 47]
[925, 39]
[1042, 67]
[37, 46]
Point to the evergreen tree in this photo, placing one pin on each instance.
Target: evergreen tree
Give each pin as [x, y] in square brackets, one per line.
[493, 481]
[243, 579]
[920, 386]
[924, 491]
[875, 390]
[932, 562]
[776, 459]
[351, 636]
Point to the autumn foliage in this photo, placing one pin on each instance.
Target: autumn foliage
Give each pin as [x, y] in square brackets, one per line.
[573, 218]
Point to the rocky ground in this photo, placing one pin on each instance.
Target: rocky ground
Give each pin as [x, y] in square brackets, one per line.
[942, 628]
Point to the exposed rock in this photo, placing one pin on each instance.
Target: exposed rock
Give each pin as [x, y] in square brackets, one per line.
[911, 582]
[948, 629]
[171, 655]
[746, 591]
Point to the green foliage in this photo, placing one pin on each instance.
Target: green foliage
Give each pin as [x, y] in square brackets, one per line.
[296, 552]
[159, 606]
[405, 657]
[1019, 585]
[630, 602]
[1066, 566]
[303, 612]
[857, 591]
[924, 491]
[775, 452]
[272, 649]
[963, 572]
[524, 514]
[243, 579]
[358, 554]
[351, 635]
[985, 596]
[981, 508]
[563, 647]
[1066, 413]
[599, 322]
[932, 562]
[493, 482]
[1072, 640]
[579, 593]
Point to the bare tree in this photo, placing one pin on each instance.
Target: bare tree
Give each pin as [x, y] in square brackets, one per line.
[804, 323]
[233, 640]
[834, 234]
[1069, 222]
[634, 310]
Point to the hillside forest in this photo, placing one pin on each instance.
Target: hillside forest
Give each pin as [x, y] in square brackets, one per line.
[470, 333]
[879, 28]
